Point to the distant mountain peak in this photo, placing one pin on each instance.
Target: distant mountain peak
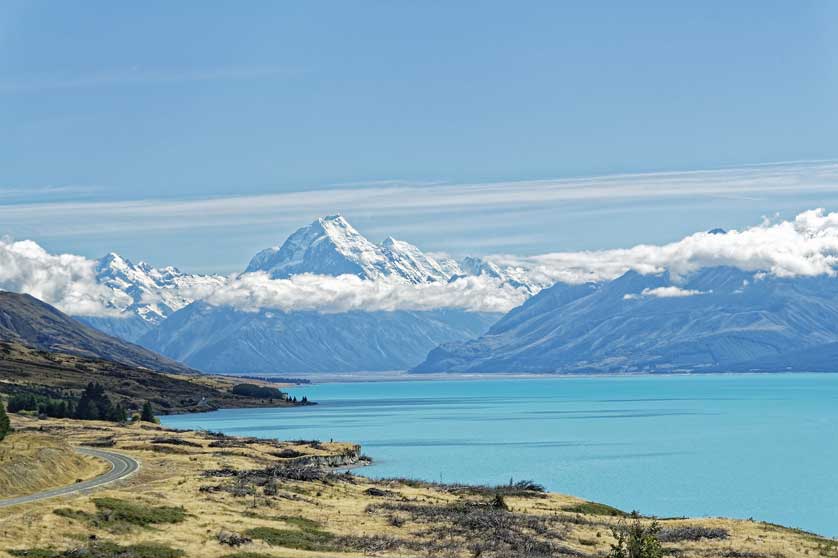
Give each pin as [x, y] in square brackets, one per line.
[332, 246]
[717, 231]
[149, 292]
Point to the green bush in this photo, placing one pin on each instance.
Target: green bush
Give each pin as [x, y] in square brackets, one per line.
[635, 540]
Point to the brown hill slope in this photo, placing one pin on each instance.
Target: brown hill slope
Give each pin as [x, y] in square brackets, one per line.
[27, 370]
[28, 321]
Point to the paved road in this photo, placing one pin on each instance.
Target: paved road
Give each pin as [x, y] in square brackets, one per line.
[122, 466]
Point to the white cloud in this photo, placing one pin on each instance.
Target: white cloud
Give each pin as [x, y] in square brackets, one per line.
[805, 246]
[392, 200]
[664, 292]
[322, 293]
[64, 280]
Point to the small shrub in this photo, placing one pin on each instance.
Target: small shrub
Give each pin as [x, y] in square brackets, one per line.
[232, 539]
[635, 540]
[499, 503]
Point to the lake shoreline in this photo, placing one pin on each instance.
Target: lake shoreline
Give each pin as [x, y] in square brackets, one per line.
[655, 438]
[404, 376]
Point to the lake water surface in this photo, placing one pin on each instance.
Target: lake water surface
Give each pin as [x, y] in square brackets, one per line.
[761, 446]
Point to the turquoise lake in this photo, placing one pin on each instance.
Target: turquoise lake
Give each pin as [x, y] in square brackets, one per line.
[761, 446]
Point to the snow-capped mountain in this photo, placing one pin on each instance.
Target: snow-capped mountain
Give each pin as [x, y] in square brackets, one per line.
[331, 246]
[145, 295]
[514, 276]
[159, 309]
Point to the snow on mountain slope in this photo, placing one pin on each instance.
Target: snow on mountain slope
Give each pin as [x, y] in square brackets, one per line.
[151, 293]
[331, 246]
[145, 295]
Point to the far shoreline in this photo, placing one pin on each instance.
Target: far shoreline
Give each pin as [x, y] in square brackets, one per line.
[405, 376]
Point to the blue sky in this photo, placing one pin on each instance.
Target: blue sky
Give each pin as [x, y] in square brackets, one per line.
[146, 105]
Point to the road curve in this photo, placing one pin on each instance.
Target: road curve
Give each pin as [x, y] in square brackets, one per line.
[122, 466]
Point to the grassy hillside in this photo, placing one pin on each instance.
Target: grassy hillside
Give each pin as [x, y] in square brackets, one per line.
[209, 495]
[32, 462]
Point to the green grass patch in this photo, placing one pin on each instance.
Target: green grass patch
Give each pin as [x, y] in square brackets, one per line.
[105, 550]
[594, 508]
[309, 539]
[113, 510]
[119, 516]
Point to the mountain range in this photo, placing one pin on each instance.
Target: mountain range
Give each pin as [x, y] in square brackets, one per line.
[159, 310]
[717, 319]
[713, 319]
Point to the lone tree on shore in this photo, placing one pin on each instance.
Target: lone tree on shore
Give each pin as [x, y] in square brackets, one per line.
[148, 412]
[5, 426]
[636, 540]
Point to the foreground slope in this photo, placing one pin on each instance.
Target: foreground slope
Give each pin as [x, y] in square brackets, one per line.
[210, 495]
[30, 322]
[718, 319]
[225, 340]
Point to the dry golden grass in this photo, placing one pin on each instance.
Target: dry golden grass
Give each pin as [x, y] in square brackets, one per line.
[32, 462]
[171, 475]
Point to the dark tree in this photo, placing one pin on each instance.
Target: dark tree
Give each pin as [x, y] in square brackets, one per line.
[119, 414]
[147, 414]
[94, 404]
[87, 410]
[5, 426]
[22, 402]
